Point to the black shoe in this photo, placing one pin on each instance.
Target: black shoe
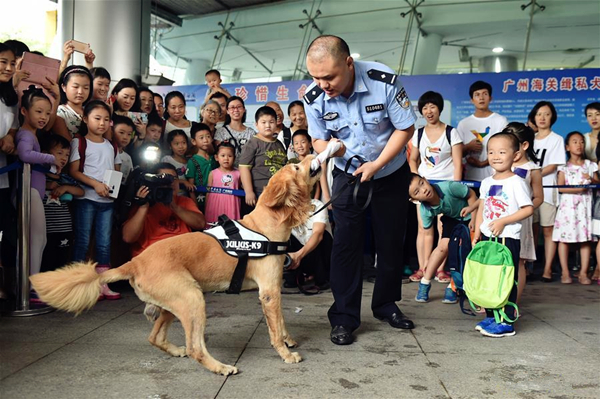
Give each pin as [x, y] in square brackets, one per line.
[397, 320]
[341, 335]
[546, 280]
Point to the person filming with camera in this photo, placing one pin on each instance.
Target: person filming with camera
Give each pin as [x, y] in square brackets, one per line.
[152, 218]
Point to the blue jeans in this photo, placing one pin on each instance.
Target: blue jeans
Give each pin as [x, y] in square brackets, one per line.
[87, 214]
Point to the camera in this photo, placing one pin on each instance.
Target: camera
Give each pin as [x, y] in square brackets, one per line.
[160, 187]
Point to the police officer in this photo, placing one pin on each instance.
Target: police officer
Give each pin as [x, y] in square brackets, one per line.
[364, 105]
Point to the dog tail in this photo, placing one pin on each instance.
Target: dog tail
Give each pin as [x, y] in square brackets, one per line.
[75, 287]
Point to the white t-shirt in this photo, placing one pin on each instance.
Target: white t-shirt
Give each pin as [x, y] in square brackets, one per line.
[550, 151]
[169, 127]
[468, 129]
[436, 158]
[304, 232]
[99, 157]
[8, 120]
[524, 171]
[502, 198]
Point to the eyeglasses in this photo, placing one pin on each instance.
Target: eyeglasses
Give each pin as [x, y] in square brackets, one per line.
[211, 111]
[236, 108]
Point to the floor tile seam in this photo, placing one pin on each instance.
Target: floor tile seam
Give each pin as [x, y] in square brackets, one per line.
[63, 345]
[429, 361]
[240, 355]
[556, 328]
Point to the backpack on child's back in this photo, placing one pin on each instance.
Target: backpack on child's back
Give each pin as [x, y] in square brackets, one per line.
[489, 277]
[458, 250]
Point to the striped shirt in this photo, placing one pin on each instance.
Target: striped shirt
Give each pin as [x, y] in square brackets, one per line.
[58, 217]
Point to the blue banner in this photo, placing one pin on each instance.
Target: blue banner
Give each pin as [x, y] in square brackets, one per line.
[514, 94]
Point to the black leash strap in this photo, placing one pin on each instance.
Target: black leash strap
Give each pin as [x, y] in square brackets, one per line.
[352, 180]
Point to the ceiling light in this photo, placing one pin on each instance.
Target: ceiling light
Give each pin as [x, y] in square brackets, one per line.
[355, 55]
[497, 50]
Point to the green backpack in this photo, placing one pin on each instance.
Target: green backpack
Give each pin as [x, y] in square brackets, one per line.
[489, 277]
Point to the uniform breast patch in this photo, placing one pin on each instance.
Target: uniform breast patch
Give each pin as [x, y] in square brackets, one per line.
[374, 108]
[330, 116]
[402, 99]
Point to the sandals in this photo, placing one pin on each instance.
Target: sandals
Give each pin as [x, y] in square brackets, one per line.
[566, 280]
[442, 277]
[416, 276]
[584, 280]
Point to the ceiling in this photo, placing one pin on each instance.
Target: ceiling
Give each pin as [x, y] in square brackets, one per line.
[266, 38]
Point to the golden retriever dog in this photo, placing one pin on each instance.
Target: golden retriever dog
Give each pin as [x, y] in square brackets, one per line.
[173, 273]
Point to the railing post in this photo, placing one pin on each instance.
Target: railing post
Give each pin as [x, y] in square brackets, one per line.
[23, 307]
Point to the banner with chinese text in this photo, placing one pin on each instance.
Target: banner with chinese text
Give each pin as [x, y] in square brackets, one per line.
[514, 94]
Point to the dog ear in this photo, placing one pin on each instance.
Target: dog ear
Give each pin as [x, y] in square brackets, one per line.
[276, 191]
[288, 195]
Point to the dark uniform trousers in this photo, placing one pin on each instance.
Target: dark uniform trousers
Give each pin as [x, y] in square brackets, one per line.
[388, 212]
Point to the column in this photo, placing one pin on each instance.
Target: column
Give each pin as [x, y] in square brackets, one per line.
[427, 54]
[194, 74]
[118, 32]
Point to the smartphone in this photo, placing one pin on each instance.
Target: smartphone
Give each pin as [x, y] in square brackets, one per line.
[80, 47]
[142, 116]
[39, 68]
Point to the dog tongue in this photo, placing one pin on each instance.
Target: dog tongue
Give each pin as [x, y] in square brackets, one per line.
[332, 147]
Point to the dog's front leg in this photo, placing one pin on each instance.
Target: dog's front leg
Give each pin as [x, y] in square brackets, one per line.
[271, 304]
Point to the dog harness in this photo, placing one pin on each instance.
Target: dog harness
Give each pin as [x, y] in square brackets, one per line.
[243, 243]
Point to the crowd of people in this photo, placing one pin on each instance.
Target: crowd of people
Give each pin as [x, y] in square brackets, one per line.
[77, 129]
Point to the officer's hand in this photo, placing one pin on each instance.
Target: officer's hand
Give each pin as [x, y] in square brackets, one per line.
[368, 170]
[341, 151]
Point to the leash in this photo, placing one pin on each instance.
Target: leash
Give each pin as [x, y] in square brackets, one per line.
[352, 181]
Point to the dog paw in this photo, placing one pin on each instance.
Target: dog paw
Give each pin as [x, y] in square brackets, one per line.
[290, 342]
[227, 370]
[293, 357]
[179, 352]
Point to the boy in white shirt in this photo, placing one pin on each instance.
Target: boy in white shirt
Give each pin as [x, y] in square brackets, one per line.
[476, 130]
[505, 201]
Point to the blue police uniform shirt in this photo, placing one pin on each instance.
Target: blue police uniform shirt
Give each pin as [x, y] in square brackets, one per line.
[366, 120]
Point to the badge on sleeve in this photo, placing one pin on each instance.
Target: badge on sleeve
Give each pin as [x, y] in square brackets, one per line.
[330, 116]
[374, 108]
[402, 99]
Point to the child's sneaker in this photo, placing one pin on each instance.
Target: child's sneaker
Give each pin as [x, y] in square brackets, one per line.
[34, 299]
[449, 296]
[498, 330]
[423, 293]
[484, 323]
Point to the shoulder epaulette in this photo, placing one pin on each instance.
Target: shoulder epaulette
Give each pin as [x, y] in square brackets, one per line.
[385, 77]
[312, 94]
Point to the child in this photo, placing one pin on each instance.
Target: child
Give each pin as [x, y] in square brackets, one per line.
[302, 145]
[101, 83]
[123, 128]
[573, 222]
[437, 155]
[225, 176]
[178, 142]
[476, 130]
[76, 90]
[262, 156]
[505, 200]
[201, 163]
[60, 190]
[213, 81]
[153, 137]
[456, 202]
[234, 131]
[35, 111]
[96, 206]
[526, 168]
[550, 151]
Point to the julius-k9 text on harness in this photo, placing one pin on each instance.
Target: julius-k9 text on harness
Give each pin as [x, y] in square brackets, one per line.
[242, 243]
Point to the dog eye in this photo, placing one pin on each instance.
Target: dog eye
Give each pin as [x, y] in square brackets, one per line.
[296, 167]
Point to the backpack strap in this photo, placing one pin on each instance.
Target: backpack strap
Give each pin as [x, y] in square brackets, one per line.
[197, 165]
[233, 140]
[82, 146]
[287, 137]
[449, 134]
[419, 137]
